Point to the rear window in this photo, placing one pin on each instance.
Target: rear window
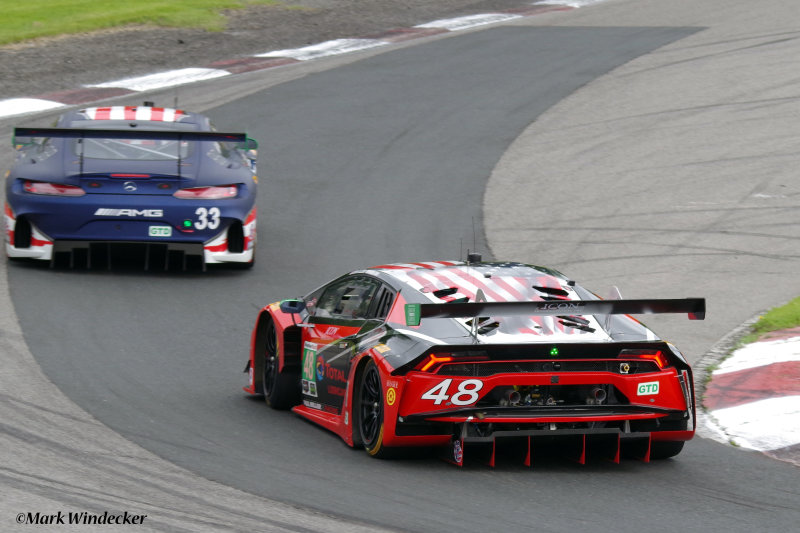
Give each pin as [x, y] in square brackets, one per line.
[132, 149]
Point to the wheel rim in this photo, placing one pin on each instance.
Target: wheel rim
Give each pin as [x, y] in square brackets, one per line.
[371, 406]
[270, 361]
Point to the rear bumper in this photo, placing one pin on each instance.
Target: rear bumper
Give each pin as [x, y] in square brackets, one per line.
[156, 253]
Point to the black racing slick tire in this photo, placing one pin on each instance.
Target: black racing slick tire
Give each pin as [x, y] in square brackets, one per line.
[281, 388]
[370, 411]
[665, 449]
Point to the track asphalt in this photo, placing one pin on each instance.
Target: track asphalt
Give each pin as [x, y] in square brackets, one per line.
[753, 397]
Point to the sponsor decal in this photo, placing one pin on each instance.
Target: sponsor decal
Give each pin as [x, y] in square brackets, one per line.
[312, 405]
[336, 391]
[309, 388]
[391, 396]
[393, 383]
[331, 331]
[327, 371]
[559, 306]
[110, 212]
[647, 389]
[160, 231]
[382, 348]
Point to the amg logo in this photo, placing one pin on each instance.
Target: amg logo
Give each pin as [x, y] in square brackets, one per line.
[152, 213]
[560, 305]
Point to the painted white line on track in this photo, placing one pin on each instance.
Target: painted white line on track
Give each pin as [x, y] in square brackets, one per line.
[20, 106]
[753, 425]
[471, 21]
[328, 48]
[570, 3]
[165, 79]
[761, 354]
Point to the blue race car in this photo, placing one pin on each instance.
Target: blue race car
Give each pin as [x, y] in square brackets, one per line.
[149, 182]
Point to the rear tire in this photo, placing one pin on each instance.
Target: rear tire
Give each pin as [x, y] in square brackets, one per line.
[370, 412]
[281, 388]
[665, 449]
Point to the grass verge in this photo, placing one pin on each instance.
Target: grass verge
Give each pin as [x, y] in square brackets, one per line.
[784, 317]
[23, 21]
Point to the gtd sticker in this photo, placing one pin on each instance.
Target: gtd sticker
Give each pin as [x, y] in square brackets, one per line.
[647, 389]
[391, 396]
[160, 231]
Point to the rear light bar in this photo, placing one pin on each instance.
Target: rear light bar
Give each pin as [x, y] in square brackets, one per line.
[51, 189]
[207, 193]
[435, 360]
[649, 355]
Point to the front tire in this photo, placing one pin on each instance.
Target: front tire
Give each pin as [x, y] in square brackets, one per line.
[281, 388]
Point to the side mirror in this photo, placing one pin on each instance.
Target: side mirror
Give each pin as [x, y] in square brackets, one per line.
[292, 306]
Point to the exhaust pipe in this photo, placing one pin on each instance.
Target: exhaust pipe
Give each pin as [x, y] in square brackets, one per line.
[597, 396]
[513, 397]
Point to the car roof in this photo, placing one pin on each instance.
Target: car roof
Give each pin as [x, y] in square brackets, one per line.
[447, 281]
[106, 115]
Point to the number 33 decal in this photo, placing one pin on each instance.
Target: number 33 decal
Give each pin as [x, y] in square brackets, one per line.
[207, 218]
[466, 392]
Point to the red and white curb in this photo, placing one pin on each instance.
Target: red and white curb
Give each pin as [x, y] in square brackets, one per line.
[753, 399]
[92, 93]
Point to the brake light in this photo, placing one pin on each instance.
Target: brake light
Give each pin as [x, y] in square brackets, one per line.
[52, 189]
[656, 356]
[434, 359]
[207, 193]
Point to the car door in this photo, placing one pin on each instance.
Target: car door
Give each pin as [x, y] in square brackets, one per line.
[341, 311]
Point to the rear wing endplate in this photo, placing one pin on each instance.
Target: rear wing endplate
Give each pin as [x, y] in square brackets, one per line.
[694, 307]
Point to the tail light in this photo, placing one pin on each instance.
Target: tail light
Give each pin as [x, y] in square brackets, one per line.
[648, 355]
[207, 193]
[435, 360]
[51, 189]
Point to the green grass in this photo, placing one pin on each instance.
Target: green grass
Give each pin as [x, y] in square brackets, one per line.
[24, 20]
[784, 317]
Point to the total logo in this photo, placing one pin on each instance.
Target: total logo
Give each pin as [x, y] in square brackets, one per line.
[326, 371]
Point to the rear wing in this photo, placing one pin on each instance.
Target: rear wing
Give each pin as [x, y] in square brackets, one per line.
[156, 135]
[694, 307]
[130, 134]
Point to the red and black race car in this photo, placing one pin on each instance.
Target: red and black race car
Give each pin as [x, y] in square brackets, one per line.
[476, 355]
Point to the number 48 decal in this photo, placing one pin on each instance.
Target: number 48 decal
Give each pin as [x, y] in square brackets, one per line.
[466, 392]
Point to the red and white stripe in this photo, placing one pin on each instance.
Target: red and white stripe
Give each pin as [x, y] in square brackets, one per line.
[754, 396]
[156, 114]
